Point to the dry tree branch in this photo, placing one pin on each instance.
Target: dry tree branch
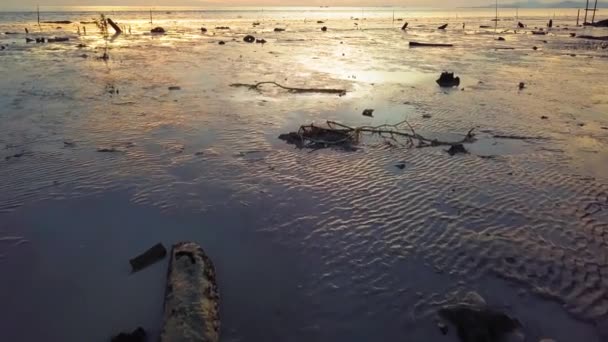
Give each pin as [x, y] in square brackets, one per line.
[291, 89]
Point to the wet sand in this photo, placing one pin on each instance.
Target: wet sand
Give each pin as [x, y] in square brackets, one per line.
[324, 246]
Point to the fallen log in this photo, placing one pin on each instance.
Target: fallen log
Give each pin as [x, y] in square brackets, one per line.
[114, 26]
[149, 257]
[291, 89]
[593, 37]
[57, 22]
[418, 44]
[191, 309]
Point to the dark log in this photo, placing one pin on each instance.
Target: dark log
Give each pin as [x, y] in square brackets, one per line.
[593, 37]
[149, 257]
[417, 44]
[114, 26]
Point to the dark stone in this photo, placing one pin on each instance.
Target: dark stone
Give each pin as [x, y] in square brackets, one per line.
[447, 79]
[260, 41]
[277, 29]
[175, 88]
[203, 30]
[535, 48]
[324, 28]
[138, 335]
[544, 117]
[522, 85]
[501, 39]
[477, 323]
[457, 149]
[400, 165]
[149, 257]
[572, 34]
[368, 112]
[249, 39]
[442, 27]
[320, 22]
[158, 30]
[221, 42]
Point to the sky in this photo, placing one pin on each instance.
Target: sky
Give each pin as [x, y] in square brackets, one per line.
[146, 3]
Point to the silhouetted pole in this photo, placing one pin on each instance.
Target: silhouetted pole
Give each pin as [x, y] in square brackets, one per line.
[586, 11]
[594, 10]
[578, 16]
[38, 11]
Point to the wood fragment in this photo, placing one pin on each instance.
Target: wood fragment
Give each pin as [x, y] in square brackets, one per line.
[291, 89]
[114, 26]
[418, 44]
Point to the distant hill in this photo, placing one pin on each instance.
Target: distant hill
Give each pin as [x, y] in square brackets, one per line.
[539, 4]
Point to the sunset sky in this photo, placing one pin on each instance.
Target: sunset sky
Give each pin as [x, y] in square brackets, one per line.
[417, 3]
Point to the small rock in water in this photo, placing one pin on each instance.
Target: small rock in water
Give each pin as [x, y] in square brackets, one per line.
[522, 85]
[108, 149]
[447, 79]
[457, 149]
[368, 112]
[138, 335]
[443, 328]
[501, 39]
[544, 117]
[320, 22]
[221, 42]
[203, 30]
[249, 39]
[28, 40]
[158, 30]
[260, 41]
[426, 116]
[175, 88]
[324, 28]
[277, 29]
[535, 48]
[400, 165]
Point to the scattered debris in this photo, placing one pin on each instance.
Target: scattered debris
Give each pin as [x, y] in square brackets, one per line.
[158, 30]
[138, 335]
[457, 149]
[522, 85]
[222, 28]
[249, 39]
[117, 28]
[149, 257]
[447, 79]
[418, 44]
[475, 322]
[601, 23]
[442, 27]
[404, 27]
[368, 112]
[191, 308]
[279, 29]
[324, 28]
[291, 89]
[175, 88]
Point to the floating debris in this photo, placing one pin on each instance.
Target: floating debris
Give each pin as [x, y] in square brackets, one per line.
[457, 149]
[57, 22]
[291, 89]
[158, 30]
[260, 41]
[593, 37]
[149, 257]
[277, 29]
[404, 27]
[418, 44]
[447, 80]
[442, 27]
[221, 42]
[368, 112]
[522, 85]
[222, 28]
[175, 88]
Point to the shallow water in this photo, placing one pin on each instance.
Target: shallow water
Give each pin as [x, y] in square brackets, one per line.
[323, 246]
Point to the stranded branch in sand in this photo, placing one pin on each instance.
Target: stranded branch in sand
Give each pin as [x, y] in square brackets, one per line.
[340, 135]
[292, 89]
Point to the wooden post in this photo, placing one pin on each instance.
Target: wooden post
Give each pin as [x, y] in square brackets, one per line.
[586, 11]
[38, 11]
[578, 16]
[114, 26]
[151, 15]
[594, 10]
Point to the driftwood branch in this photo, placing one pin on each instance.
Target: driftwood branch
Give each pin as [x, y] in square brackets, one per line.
[291, 89]
[341, 135]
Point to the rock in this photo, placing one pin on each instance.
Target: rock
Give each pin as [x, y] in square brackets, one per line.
[442, 27]
[473, 298]
[457, 149]
[256, 24]
[535, 48]
[426, 116]
[191, 308]
[203, 30]
[149, 257]
[58, 39]
[80, 46]
[443, 328]
[158, 30]
[221, 42]
[277, 29]
[138, 335]
[29, 40]
[447, 79]
[368, 112]
[320, 22]
[520, 25]
[501, 39]
[479, 324]
[260, 41]
[400, 165]
[601, 23]
[544, 117]
[249, 39]
[324, 28]
[175, 88]
[522, 85]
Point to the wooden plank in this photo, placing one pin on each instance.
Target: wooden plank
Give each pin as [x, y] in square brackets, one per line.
[191, 310]
[114, 26]
[417, 44]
